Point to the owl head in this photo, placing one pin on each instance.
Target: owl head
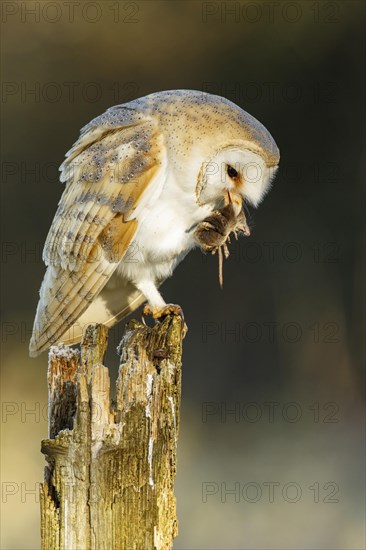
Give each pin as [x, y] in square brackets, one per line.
[213, 140]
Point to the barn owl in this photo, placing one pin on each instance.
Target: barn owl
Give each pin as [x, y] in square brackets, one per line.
[140, 181]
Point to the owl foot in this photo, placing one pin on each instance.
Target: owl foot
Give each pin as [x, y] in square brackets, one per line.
[161, 312]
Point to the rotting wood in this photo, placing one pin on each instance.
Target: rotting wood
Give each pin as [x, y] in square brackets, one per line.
[109, 479]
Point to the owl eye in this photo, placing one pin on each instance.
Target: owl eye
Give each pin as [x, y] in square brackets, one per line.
[232, 173]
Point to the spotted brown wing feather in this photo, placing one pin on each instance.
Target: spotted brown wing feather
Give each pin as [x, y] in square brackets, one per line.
[113, 170]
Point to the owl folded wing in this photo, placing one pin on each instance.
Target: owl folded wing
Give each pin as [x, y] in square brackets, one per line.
[113, 171]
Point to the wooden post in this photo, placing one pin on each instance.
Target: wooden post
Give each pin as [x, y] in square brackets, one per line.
[109, 481]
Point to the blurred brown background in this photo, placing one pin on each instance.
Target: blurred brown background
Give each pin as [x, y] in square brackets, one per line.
[272, 441]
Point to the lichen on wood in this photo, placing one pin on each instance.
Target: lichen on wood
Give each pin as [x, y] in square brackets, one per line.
[109, 479]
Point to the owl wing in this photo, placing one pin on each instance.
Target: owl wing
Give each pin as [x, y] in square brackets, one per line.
[114, 170]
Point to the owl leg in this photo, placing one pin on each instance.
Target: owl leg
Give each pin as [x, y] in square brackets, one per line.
[156, 306]
[151, 293]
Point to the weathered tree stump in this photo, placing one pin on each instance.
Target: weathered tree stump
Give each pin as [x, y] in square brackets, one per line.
[109, 482]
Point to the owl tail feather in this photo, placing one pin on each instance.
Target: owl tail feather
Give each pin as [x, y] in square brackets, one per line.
[110, 306]
[67, 312]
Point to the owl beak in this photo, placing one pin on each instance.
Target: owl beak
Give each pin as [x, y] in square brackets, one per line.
[237, 201]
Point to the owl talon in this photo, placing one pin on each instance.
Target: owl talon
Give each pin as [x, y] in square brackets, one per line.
[161, 312]
[147, 311]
